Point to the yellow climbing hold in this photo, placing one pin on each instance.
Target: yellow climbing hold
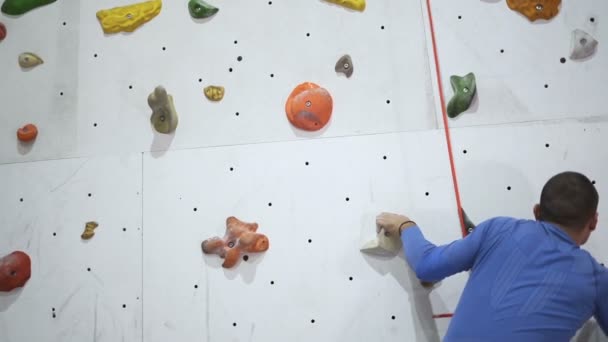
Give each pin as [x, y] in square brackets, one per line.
[214, 93]
[128, 18]
[89, 230]
[357, 5]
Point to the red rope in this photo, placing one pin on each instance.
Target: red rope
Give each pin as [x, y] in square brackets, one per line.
[445, 120]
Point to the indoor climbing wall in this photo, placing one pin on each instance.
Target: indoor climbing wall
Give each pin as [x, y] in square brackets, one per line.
[154, 198]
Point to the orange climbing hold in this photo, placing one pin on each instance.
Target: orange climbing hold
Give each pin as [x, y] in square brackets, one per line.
[536, 9]
[27, 133]
[309, 107]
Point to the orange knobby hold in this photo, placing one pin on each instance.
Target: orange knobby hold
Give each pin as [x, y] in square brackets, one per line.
[309, 107]
[240, 238]
[27, 133]
[535, 9]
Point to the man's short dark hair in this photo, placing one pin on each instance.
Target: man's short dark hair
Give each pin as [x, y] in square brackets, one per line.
[568, 199]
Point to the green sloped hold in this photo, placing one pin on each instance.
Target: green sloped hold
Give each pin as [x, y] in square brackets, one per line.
[200, 9]
[464, 92]
[18, 7]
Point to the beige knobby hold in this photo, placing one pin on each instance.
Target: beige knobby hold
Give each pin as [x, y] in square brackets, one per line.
[214, 93]
[383, 245]
[164, 117]
[29, 60]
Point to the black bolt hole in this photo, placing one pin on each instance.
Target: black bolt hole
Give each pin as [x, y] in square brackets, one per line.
[271, 75]
[236, 42]
[230, 70]
[592, 19]
[237, 114]
[196, 286]
[130, 87]
[89, 269]
[54, 234]
[200, 80]
[384, 157]
[95, 55]
[231, 169]
[95, 125]
[245, 257]
[21, 200]
[426, 194]
[124, 306]
[464, 151]
[234, 324]
[547, 145]
[546, 86]
[61, 93]
[593, 182]
[347, 199]
[562, 60]
[239, 58]
[124, 229]
[502, 51]
[312, 321]
[64, 23]
[307, 34]
[388, 101]
[164, 48]
[195, 209]
[382, 27]
[459, 17]
[509, 188]
[350, 278]
[393, 318]
[270, 204]
[269, 2]
[272, 282]
[90, 194]
[307, 163]
[309, 240]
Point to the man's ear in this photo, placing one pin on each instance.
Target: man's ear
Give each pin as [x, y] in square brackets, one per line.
[593, 223]
[536, 211]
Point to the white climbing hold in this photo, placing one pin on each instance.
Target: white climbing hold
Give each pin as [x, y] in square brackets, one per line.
[583, 45]
[382, 245]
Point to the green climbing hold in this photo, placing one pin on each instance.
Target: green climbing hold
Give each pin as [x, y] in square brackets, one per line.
[200, 9]
[18, 7]
[464, 92]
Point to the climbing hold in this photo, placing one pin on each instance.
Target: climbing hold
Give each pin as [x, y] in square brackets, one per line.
[15, 271]
[164, 117]
[583, 45]
[200, 9]
[29, 60]
[89, 230]
[128, 18]
[240, 238]
[464, 92]
[18, 7]
[309, 107]
[2, 32]
[27, 133]
[535, 9]
[214, 93]
[357, 5]
[345, 66]
[382, 245]
[469, 226]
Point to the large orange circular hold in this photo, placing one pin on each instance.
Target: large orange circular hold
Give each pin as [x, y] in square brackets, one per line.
[27, 133]
[15, 271]
[309, 107]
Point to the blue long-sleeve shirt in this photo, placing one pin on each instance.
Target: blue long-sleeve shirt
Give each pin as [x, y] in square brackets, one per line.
[529, 281]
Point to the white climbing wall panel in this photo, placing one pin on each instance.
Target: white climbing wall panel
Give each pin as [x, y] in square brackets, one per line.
[143, 276]
[316, 216]
[518, 64]
[79, 290]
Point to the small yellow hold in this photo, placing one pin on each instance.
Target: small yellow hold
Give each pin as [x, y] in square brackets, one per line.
[214, 93]
[128, 18]
[357, 5]
[89, 230]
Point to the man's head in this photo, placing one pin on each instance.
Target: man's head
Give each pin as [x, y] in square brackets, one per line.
[570, 200]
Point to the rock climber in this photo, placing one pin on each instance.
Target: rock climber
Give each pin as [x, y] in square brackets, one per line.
[529, 279]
